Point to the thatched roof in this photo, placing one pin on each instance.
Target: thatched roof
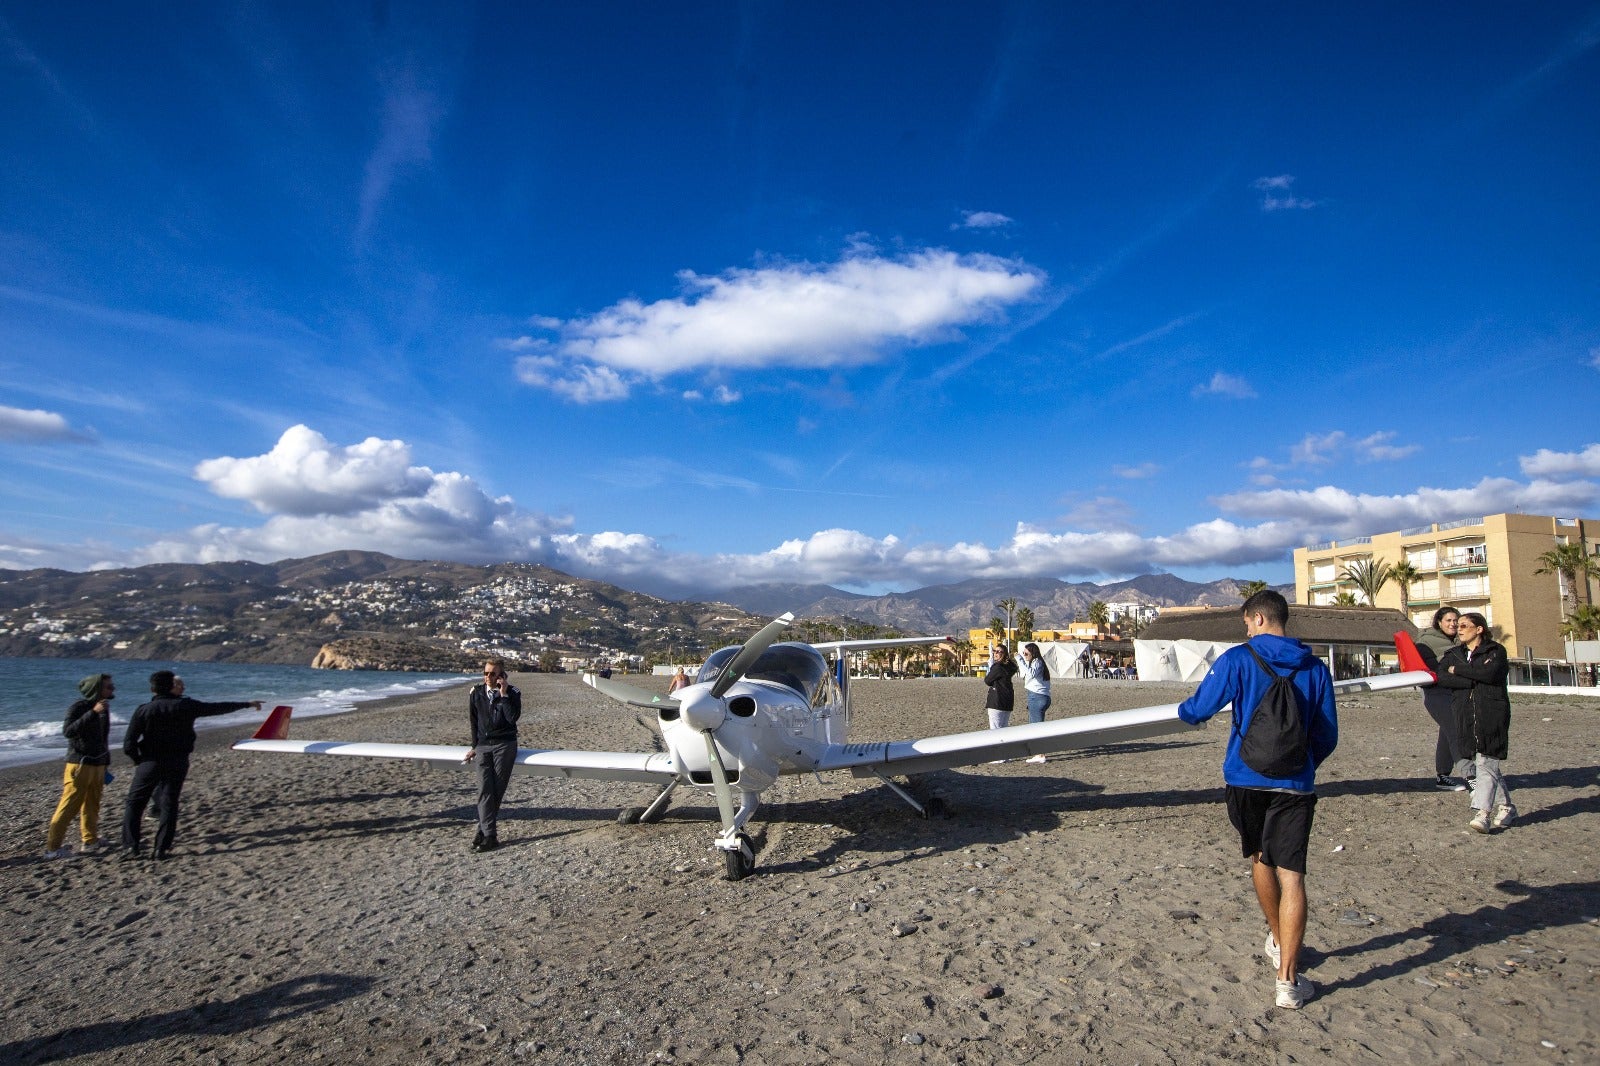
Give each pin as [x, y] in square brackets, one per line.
[1314, 625]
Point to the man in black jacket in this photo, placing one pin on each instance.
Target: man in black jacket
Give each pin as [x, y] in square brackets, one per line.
[160, 739]
[493, 707]
[87, 728]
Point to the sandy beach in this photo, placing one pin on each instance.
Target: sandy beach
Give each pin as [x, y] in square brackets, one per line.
[1091, 909]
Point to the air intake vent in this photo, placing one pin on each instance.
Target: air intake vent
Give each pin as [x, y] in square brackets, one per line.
[741, 706]
[668, 714]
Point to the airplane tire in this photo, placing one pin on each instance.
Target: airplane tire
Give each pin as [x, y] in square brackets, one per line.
[738, 864]
[935, 808]
[630, 815]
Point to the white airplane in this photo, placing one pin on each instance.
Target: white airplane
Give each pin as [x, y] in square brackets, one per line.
[764, 709]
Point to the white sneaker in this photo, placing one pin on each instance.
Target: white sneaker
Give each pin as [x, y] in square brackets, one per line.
[1270, 948]
[1293, 995]
[1503, 816]
[63, 852]
[1037, 758]
[1480, 822]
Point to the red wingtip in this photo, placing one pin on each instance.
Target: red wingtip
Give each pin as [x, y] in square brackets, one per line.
[1410, 657]
[276, 727]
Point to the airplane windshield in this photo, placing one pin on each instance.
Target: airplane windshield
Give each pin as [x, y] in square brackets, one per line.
[797, 666]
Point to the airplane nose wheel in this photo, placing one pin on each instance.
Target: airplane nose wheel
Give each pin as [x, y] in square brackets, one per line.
[741, 861]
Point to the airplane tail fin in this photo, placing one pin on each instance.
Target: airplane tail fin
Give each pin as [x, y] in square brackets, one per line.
[1410, 657]
[276, 727]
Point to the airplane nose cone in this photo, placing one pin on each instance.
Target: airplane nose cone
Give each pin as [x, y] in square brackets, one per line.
[703, 712]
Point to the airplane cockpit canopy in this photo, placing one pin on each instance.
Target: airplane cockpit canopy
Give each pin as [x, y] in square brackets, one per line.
[797, 666]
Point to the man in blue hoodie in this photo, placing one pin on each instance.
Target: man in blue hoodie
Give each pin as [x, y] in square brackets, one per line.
[1272, 814]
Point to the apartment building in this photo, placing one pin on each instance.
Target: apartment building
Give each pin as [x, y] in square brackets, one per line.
[1478, 564]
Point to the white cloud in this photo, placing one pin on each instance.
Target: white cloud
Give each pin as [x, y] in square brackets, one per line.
[1378, 449]
[1340, 512]
[1222, 384]
[1280, 183]
[327, 497]
[981, 220]
[1594, 358]
[304, 474]
[1135, 473]
[36, 427]
[792, 315]
[1317, 449]
[723, 394]
[323, 496]
[1549, 464]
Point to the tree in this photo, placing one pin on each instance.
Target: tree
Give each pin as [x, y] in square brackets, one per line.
[1573, 564]
[1099, 614]
[958, 653]
[1250, 588]
[1404, 574]
[1369, 575]
[1583, 623]
[997, 630]
[1024, 623]
[1009, 606]
[1345, 599]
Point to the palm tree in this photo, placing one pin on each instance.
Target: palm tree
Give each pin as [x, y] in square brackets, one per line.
[1571, 562]
[1345, 599]
[1024, 623]
[1369, 575]
[1009, 606]
[1099, 614]
[1583, 623]
[959, 654]
[1250, 588]
[997, 630]
[1404, 574]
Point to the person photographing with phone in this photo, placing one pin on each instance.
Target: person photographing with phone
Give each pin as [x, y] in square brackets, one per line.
[494, 706]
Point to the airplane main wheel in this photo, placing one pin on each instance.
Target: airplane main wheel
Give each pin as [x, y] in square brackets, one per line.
[630, 815]
[935, 808]
[738, 864]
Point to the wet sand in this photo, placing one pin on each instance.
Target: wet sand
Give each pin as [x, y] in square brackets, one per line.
[1091, 909]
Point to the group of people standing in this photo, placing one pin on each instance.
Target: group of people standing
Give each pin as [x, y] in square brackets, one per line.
[1472, 707]
[159, 741]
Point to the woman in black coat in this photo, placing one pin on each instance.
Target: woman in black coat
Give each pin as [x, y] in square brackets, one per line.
[1002, 697]
[1475, 672]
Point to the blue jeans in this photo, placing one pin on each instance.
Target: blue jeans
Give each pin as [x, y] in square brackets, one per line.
[1038, 703]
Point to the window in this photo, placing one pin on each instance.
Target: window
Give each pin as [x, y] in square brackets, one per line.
[1423, 558]
[1425, 590]
[1469, 555]
[1323, 572]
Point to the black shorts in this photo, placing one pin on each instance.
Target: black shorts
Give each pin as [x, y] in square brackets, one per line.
[1275, 824]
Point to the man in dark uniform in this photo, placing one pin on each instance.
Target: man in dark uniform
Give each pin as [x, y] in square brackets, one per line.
[160, 739]
[493, 707]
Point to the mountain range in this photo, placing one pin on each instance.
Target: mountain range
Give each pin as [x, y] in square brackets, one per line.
[292, 610]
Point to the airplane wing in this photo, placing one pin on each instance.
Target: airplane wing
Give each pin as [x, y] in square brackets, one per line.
[829, 647]
[1044, 738]
[653, 767]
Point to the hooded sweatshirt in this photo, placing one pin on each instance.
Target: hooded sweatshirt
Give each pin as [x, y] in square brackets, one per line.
[1236, 678]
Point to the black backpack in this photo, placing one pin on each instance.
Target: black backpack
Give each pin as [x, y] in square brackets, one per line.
[1277, 742]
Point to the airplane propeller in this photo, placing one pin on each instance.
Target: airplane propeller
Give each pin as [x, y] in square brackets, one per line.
[747, 655]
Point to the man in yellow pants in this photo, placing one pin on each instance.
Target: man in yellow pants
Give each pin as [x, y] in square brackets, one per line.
[87, 729]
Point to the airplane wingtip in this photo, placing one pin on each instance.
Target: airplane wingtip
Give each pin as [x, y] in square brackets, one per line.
[1410, 657]
[276, 727]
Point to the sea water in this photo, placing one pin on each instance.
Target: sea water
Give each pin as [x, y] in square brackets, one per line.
[35, 695]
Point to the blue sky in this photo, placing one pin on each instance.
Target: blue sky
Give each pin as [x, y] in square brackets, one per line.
[876, 295]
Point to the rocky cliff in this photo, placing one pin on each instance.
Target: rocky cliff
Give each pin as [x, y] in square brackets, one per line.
[369, 653]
